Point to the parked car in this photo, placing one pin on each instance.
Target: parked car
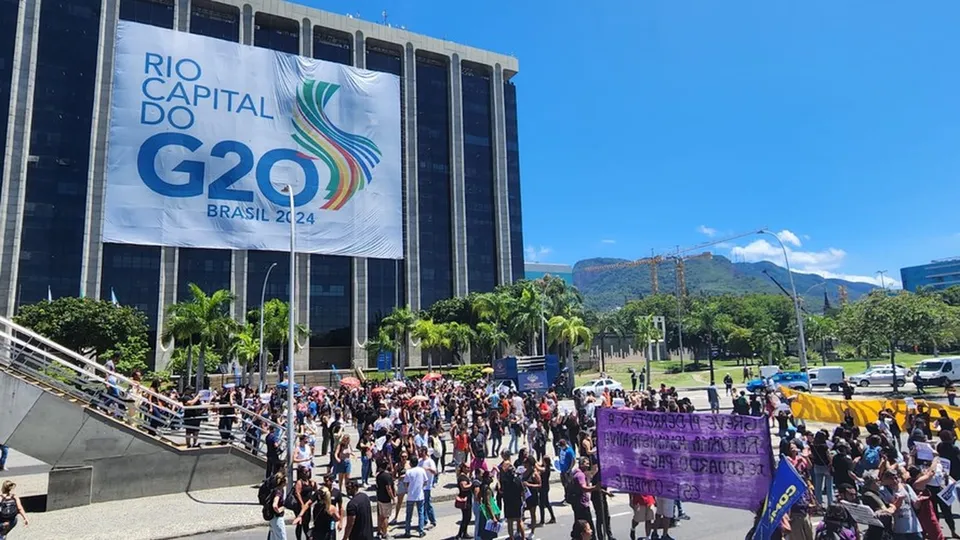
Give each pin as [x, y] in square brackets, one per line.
[793, 380]
[595, 388]
[938, 372]
[829, 376]
[880, 376]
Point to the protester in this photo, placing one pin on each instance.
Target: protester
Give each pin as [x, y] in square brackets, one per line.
[386, 495]
[416, 480]
[10, 509]
[359, 523]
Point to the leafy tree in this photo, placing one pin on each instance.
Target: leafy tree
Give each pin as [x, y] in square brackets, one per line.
[245, 347]
[771, 344]
[739, 341]
[132, 354]
[607, 323]
[90, 327]
[456, 309]
[951, 295]
[703, 323]
[181, 355]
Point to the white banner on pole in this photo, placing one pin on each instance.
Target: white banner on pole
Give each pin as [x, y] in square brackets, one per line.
[205, 133]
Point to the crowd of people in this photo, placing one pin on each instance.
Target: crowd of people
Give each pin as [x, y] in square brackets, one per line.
[506, 449]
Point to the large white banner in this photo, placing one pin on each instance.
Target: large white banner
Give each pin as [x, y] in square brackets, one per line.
[205, 134]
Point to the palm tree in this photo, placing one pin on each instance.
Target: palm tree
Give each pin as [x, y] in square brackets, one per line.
[276, 328]
[213, 325]
[770, 343]
[383, 342]
[607, 323]
[182, 325]
[432, 337]
[645, 332]
[399, 324]
[245, 347]
[459, 336]
[570, 332]
[527, 317]
[704, 322]
[489, 338]
[820, 328]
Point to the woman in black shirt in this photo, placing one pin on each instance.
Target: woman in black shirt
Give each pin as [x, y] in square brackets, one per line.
[464, 498]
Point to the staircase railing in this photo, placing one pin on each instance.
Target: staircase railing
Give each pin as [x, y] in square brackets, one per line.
[89, 383]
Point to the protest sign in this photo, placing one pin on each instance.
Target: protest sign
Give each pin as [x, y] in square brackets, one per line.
[716, 459]
[861, 514]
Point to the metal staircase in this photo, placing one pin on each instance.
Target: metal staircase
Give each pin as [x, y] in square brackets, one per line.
[108, 437]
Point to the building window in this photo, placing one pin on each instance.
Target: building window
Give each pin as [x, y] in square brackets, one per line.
[152, 12]
[332, 46]
[384, 59]
[56, 189]
[330, 311]
[513, 180]
[215, 20]
[433, 181]
[478, 181]
[277, 286]
[209, 269]
[277, 33]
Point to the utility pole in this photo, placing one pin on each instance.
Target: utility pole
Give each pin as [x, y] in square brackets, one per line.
[883, 284]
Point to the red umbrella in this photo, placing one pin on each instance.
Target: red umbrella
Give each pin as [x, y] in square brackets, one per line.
[350, 382]
[379, 390]
[433, 376]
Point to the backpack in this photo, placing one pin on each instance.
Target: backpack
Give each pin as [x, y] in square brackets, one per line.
[8, 509]
[266, 491]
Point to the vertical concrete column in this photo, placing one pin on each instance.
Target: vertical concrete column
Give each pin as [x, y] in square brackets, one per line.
[169, 262]
[301, 359]
[306, 38]
[182, 15]
[92, 258]
[359, 289]
[500, 193]
[15, 160]
[411, 189]
[457, 185]
[238, 258]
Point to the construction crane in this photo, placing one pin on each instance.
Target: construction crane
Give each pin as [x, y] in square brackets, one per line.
[677, 256]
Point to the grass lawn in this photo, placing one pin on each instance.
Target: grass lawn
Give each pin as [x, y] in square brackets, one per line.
[620, 371]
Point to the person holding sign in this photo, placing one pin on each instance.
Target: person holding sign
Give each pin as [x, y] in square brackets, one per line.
[901, 501]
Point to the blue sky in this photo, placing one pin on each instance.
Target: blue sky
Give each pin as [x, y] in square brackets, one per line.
[650, 124]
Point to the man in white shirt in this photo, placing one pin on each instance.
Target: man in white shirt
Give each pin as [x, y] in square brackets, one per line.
[416, 479]
[427, 464]
[517, 405]
[383, 423]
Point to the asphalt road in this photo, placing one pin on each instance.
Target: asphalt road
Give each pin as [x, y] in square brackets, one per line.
[705, 522]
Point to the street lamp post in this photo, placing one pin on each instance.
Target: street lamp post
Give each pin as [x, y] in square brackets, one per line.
[291, 336]
[263, 359]
[883, 284]
[801, 340]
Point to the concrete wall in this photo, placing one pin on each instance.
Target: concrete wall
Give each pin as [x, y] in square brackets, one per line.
[97, 459]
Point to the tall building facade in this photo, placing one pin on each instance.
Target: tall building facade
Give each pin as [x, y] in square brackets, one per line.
[937, 275]
[461, 177]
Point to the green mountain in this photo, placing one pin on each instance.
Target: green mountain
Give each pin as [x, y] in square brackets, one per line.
[605, 287]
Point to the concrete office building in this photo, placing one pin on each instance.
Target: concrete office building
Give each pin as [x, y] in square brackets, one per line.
[462, 225]
[936, 275]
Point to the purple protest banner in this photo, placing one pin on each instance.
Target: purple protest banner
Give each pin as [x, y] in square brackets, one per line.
[716, 459]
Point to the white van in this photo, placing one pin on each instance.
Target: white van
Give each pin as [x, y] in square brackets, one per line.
[938, 371]
[829, 376]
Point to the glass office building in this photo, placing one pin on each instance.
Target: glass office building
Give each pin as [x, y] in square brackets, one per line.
[936, 275]
[461, 188]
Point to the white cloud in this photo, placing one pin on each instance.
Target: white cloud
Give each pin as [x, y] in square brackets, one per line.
[608, 241]
[535, 253]
[787, 237]
[825, 263]
[709, 231]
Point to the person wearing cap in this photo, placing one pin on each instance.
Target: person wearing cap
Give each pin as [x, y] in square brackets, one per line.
[870, 497]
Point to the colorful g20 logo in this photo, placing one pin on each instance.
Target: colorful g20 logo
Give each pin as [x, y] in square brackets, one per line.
[350, 159]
